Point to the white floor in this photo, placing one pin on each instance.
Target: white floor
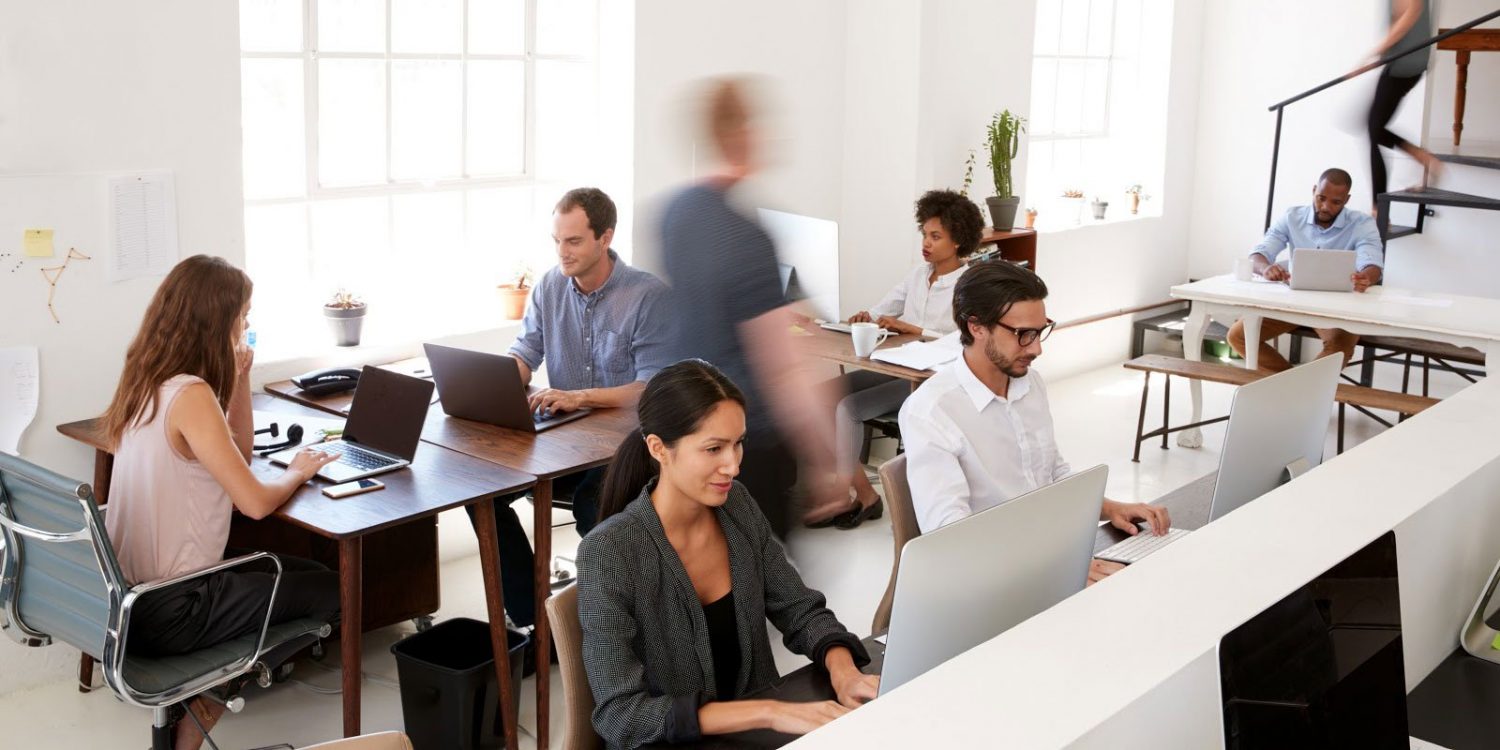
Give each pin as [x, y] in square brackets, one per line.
[1095, 414]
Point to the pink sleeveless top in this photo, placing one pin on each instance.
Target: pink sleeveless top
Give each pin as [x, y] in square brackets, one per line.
[166, 515]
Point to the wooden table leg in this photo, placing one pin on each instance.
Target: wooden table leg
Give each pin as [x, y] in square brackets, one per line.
[494, 598]
[351, 561]
[542, 634]
[1459, 93]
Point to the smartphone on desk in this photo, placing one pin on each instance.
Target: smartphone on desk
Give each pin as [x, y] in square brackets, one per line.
[355, 487]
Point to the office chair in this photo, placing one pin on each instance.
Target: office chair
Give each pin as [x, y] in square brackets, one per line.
[562, 613]
[904, 528]
[60, 579]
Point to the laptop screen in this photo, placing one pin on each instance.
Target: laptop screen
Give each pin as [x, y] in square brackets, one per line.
[388, 411]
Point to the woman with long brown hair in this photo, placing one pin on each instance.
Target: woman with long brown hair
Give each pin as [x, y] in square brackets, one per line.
[677, 581]
[181, 427]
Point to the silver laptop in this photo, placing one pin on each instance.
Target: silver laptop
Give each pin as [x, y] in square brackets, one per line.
[383, 430]
[969, 581]
[1322, 270]
[1277, 428]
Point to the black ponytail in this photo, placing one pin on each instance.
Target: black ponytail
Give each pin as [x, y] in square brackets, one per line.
[674, 404]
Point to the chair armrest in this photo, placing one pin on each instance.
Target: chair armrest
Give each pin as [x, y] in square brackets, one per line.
[40, 535]
[139, 590]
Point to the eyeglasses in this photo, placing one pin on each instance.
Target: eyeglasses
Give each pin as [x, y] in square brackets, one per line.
[1028, 336]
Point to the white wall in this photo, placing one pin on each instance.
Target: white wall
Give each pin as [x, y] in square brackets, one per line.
[1235, 134]
[90, 87]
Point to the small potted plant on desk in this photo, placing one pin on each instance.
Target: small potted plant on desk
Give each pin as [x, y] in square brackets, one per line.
[346, 317]
[1003, 138]
[513, 295]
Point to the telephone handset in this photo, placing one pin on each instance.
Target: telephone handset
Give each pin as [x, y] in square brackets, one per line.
[325, 382]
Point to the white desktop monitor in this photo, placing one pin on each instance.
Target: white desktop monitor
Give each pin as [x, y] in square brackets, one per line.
[808, 249]
[972, 580]
[1278, 426]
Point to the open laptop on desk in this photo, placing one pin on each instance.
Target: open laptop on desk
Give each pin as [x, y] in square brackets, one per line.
[969, 581]
[1277, 428]
[1322, 270]
[487, 388]
[384, 427]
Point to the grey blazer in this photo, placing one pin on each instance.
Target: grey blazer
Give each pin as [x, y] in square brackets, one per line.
[645, 640]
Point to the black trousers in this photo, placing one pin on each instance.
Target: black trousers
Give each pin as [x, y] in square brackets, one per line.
[769, 471]
[516, 558]
[226, 605]
[1389, 91]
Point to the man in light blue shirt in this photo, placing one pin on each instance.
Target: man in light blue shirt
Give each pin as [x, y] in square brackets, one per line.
[603, 330]
[1326, 225]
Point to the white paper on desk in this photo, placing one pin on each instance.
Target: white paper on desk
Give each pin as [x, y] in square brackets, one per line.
[20, 390]
[142, 225]
[922, 355]
[1421, 301]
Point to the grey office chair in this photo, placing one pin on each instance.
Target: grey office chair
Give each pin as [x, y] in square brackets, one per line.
[60, 580]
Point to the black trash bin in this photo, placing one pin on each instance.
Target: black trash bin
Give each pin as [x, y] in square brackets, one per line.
[450, 697]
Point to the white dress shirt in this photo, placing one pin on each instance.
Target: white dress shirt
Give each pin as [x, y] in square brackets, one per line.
[968, 450]
[916, 302]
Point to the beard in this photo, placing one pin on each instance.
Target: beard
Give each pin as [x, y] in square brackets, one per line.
[1015, 368]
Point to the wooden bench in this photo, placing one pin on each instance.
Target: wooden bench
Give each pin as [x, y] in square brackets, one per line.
[1361, 398]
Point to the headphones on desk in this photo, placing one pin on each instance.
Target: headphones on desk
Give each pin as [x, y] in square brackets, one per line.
[293, 437]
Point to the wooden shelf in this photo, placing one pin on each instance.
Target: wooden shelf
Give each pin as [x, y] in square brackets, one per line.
[1016, 246]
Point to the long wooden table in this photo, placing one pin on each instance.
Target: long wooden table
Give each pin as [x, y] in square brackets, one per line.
[438, 479]
[563, 450]
[838, 348]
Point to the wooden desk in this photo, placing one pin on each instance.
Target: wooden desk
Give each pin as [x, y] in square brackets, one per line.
[438, 480]
[566, 449]
[1015, 246]
[1382, 311]
[838, 348]
[1473, 40]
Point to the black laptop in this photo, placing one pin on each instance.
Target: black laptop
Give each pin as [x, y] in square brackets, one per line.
[487, 388]
[384, 427]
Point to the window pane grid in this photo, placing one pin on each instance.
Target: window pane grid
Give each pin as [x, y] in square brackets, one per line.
[426, 207]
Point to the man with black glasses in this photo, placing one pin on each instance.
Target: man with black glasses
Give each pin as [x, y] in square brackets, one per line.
[979, 432]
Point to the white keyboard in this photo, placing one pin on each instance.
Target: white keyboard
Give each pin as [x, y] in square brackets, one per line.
[1136, 548]
[837, 327]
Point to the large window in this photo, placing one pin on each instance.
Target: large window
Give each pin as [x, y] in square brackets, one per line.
[411, 151]
[1098, 105]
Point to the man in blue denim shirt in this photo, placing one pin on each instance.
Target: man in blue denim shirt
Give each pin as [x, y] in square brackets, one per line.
[603, 330]
[1327, 225]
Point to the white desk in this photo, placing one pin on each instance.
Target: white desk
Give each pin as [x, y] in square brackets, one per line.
[1382, 311]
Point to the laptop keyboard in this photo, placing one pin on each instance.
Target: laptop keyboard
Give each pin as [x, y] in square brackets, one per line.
[355, 456]
[1136, 548]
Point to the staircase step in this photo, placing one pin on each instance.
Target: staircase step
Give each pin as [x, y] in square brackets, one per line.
[1436, 197]
[1483, 162]
[1397, 231]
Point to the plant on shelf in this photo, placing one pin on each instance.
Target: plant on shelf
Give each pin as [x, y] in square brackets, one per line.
[514, 293]
[1030, 218]
[345, 313]
[1100, 206]
[1072, 201]
[1003, 139]
[1137, 194]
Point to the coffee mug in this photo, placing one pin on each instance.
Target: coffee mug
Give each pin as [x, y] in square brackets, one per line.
[866, 337]
[1244, 269]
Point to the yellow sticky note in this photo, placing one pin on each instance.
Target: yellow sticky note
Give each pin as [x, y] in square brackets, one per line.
[1495, 644]
[38, 243]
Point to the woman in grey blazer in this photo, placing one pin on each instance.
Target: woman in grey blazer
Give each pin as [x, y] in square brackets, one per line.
[677, 581]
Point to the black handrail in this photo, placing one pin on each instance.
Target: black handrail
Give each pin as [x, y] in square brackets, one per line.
[1280, 106]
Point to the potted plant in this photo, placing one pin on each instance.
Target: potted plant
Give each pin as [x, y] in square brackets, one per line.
[1137, 194]
[1073, 201]
[1003, 138]
[513, 295]
[1030, 218]
[346, 317]
[1099, 208]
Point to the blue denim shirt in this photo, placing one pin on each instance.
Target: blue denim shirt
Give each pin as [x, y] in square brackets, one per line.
[614, 336]
[1298, 228]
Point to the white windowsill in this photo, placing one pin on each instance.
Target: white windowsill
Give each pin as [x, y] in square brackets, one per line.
[273, 364]
[1110, 218]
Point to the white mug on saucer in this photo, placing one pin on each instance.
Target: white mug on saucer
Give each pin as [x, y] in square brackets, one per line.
[866, 337]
